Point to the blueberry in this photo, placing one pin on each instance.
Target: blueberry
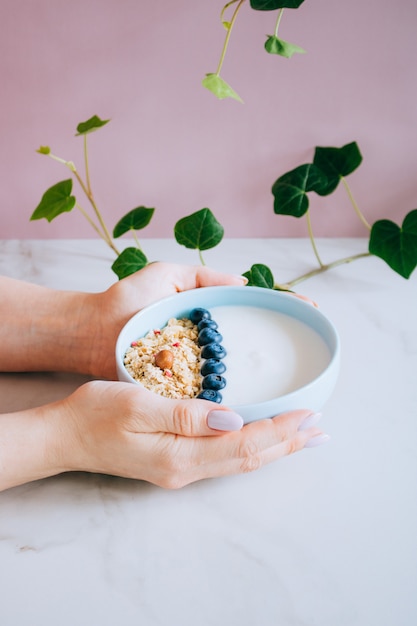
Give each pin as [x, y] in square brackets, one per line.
[209, 335]
[213, 351]
[214, 381]
[212, 366]
[210, 394]
[196, 315]
[207, 323]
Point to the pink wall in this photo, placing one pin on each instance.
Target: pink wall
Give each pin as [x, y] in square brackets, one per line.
[171, 144]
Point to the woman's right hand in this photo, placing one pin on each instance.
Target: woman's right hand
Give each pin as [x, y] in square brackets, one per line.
[124, 430]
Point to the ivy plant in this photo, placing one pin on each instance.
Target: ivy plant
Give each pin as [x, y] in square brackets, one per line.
[395, 244]
[199, 231]
[213, 81]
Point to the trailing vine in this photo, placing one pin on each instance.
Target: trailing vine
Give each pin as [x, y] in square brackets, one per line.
[396, 245]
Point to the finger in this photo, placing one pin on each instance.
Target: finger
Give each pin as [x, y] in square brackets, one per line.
[190, 277]
[306, 299]
[253, 459]
[188, 418]
[201, 418]
[207, 276]
[256, 438]
[256, 445]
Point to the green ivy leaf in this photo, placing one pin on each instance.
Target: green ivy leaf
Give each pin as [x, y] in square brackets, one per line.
[274, 45]
[134, 220]
[44, 150]
[92, 124]
[128, 262]
[337, 162]
[199, 231]
[273, 5]
[396, 246]
[260, 276]
[290, 190]
[218, 86]
[56, 200]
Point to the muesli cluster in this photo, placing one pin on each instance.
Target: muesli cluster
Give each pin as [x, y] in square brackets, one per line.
[181, 360]
[176, 376]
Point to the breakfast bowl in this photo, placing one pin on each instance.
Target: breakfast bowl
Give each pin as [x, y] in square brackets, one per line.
[276, 352]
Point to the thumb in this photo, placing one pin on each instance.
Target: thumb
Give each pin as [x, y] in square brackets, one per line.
[193, 418]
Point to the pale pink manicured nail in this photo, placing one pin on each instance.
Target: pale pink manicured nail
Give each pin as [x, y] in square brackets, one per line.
[309, 421]
[317, 440]
[224, 420]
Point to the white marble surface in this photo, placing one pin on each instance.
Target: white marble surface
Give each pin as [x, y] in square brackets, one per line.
[326, 537]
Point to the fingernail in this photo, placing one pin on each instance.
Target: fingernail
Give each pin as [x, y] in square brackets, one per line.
[309, 421]
[244, 279]
[317, 440]
[224, 420]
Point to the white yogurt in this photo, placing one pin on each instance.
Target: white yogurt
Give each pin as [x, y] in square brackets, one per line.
[269, 354]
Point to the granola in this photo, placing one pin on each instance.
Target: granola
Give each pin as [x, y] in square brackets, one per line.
[183, 378]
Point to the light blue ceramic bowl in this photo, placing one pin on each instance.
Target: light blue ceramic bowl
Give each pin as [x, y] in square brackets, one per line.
[312, 396]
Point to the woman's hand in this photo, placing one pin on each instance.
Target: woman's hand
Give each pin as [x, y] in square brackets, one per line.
[115, 306]
[124, 430]
[72, 331]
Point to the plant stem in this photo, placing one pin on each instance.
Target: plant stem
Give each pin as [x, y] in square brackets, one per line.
[321, 269]
[312, 240]
[201, 257]
[87, 169]
[224, 9]
[90, 221]
[57, 158]
[106, 235]
[280, 14]
[139, 247]
[229, 32]
[354, 204]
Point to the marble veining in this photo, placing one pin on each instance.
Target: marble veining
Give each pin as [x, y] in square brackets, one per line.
[323, 538]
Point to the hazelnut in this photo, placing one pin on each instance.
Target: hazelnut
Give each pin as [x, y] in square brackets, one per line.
[164, 359]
